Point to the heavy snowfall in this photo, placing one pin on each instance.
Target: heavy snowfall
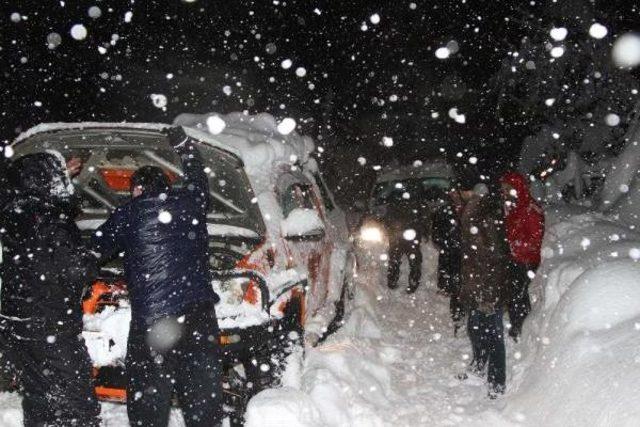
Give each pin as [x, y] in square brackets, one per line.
[308, 213]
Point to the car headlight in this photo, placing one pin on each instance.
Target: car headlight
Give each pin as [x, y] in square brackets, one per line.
[371, 233]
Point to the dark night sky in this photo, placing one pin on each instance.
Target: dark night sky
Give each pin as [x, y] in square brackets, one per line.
[207, 45]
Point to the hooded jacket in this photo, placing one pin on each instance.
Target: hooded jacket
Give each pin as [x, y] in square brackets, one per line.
[163, 234]
[524, 222]
[46, 267]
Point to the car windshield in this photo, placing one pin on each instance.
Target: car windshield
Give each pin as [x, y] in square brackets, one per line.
[394, 191]
[111, 157]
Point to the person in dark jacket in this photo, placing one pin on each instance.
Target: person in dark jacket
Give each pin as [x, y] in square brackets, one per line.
[405, 225]
[484, 275]
[524, 223]
[45, 270]
[446, 237]
[173, 338]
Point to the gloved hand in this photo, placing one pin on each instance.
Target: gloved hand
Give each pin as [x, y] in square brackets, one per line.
[176, 136]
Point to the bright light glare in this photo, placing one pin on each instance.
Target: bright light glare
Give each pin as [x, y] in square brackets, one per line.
[371, 234]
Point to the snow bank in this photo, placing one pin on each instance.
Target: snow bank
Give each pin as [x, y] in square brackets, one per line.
[10, 410]
[344, 382]
[351, 379]
[581, 343]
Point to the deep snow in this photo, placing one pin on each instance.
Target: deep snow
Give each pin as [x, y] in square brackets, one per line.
[393, 363]
[395, 360]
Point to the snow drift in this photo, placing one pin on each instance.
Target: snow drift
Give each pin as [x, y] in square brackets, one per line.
[581, 344]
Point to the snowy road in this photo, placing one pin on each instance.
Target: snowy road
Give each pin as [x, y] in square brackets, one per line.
[393, 363]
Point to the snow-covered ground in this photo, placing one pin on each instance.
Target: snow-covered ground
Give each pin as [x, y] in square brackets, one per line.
[396, 359]
[393, 363]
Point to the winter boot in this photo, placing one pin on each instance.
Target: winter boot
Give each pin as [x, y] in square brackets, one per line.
[495, 391]
[474, 369]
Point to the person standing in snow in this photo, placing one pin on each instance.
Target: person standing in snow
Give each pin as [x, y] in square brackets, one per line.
[483, 290]
[173, 338]
[405, 225]
[45, 270]
[446, 237]
[524, 223]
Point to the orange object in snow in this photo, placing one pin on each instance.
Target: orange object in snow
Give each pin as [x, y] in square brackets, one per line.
[90, 304]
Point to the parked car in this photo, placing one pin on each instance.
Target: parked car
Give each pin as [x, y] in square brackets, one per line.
[279, 247]
[427, 182]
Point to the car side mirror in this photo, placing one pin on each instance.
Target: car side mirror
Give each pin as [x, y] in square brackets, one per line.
[303, 225]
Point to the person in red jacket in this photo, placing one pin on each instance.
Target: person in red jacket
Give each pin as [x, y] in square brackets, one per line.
[524, 224]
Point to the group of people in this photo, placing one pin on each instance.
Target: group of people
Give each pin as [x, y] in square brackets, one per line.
[173, 344]
[489, 236]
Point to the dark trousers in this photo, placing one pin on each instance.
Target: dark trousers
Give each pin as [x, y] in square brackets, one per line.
[449, 281]
[519, 306]
[175, 355]
[487, 339]
[449, 270]
[412, 251]
[55, 379]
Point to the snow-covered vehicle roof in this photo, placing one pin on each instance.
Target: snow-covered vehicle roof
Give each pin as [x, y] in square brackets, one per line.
[254, 138]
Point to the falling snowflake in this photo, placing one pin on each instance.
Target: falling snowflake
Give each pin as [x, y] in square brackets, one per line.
[558, 34]
[53, 40]
[159, 100]
[557, 51]
[215, 124]
[286, 64]
[286, 126]
[598, 31]
[612, 119]
[442, 53]
[79, 32]
[165, 217]
[409, 234]
[626, 51]
[94, 12]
